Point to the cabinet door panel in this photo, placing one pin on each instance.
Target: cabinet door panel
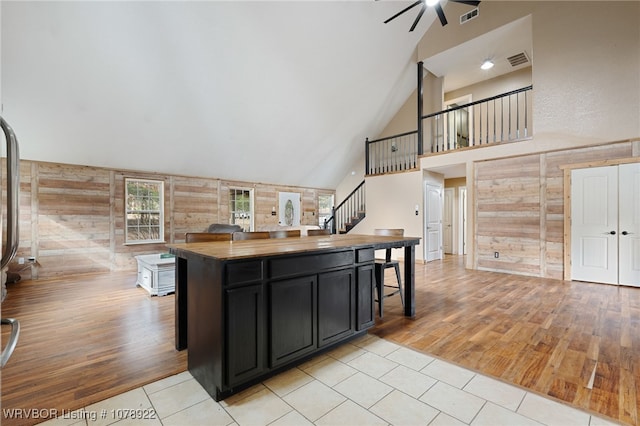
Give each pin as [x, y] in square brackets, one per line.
[336, 306]
[365, 314]
[292, 307]
[245, 333]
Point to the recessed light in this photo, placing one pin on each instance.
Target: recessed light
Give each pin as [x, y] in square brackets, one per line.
[486, 65]
[431, 2]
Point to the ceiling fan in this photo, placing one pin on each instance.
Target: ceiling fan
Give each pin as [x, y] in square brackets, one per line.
[429, 3]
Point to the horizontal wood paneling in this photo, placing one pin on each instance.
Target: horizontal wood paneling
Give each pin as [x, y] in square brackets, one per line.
[508, 215]
[523, 198]
[72, 217]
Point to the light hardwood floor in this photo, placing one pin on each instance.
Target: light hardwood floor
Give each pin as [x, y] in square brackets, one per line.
[90, 337]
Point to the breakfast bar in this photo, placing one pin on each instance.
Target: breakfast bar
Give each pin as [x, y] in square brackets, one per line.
[249, 309]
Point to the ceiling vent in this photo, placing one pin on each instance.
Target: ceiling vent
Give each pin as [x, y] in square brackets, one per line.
[518, 59]
[469, 15]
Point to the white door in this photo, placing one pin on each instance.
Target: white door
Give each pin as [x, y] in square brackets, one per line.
[447, 220]
[594, 224]
[433, 221]
[629, 227]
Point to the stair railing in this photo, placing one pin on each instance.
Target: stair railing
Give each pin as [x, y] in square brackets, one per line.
[348, 213]
[392, 154]
[500, 118]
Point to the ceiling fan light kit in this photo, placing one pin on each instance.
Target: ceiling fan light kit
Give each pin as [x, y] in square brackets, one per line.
[429, 3]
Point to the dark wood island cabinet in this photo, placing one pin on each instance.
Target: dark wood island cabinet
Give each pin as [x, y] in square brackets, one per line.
[250, 309]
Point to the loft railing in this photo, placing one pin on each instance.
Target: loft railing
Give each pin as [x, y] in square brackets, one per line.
[392, 154]
[502, 118]
[348, 213]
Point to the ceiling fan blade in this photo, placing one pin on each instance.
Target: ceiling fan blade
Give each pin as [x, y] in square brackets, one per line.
[440, 13]
[403, 11]
[424, 7]
[470, 3]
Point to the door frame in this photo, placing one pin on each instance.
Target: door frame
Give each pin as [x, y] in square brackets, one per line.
[567, 201]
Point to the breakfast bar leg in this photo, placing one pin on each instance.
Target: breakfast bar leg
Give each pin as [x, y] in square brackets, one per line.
[410, 280]
[181, 303]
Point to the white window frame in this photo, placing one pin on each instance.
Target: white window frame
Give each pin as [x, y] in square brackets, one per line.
[232, 211]
[127, 211]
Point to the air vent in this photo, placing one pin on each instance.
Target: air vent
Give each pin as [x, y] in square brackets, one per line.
[518, 59]
[469, 15]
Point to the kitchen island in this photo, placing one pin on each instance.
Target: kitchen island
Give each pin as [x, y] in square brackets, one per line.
[250, 309]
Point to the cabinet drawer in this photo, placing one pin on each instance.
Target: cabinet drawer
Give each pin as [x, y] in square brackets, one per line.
[244, 272]
[309, 264]
[365, 255]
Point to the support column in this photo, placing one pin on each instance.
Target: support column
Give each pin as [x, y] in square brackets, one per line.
[419, 91]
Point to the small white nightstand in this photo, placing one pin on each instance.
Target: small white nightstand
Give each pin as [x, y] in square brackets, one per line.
[156, 274]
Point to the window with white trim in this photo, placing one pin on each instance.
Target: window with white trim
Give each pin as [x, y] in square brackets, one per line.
[144, 211]
[241, 208]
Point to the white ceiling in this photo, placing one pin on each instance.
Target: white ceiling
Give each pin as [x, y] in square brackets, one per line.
[460, 65]
[265, 91]
[277, 92]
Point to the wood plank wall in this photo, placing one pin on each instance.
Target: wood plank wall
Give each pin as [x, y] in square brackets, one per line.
[72, 217]
[519, 209]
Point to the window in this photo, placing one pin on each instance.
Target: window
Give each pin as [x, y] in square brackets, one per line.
[325, 204]
[144, 211]
[241, 208]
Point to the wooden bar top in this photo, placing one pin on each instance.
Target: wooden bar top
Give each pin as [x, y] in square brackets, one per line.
[229, 250]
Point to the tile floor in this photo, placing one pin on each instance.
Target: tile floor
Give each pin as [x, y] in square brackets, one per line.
[368, 381]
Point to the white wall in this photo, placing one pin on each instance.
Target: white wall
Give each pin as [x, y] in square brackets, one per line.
[391, 201]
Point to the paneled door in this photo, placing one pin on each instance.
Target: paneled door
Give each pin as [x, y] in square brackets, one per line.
[605, 211]
[433, 221]
[629, 238]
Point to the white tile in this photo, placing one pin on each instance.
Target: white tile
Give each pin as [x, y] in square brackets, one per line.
[260, 408]
[372, 364]
[70, 418]
[206, 412]
[314, 400]
[400, 409]
[292, 418]
[448, 373]
[346, 352]
[363, 389]
[117, 406]
[505, 395]
[348, 414]
[330, 371]
[287, 381]
[598, 421]
[453, 401]
[167, 382]
[132, 420]
[443, 419]
[235, 398]
[410, 358]
[408, 381]
[313, 361]
[379, 346]
[178, 397]
[550, 412]
[494, 415]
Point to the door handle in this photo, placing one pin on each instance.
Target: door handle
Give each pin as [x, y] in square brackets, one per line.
[626, 233]
[611, 232]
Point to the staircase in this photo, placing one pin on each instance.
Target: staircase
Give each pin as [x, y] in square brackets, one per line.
[348, 213]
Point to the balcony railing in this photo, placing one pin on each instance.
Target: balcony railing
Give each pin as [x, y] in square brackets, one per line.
[392, 154]
[501, 118]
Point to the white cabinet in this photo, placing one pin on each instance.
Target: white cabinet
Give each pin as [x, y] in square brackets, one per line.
[156, 274]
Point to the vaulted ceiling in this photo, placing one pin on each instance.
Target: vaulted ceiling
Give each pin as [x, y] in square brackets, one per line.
[276, 92]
